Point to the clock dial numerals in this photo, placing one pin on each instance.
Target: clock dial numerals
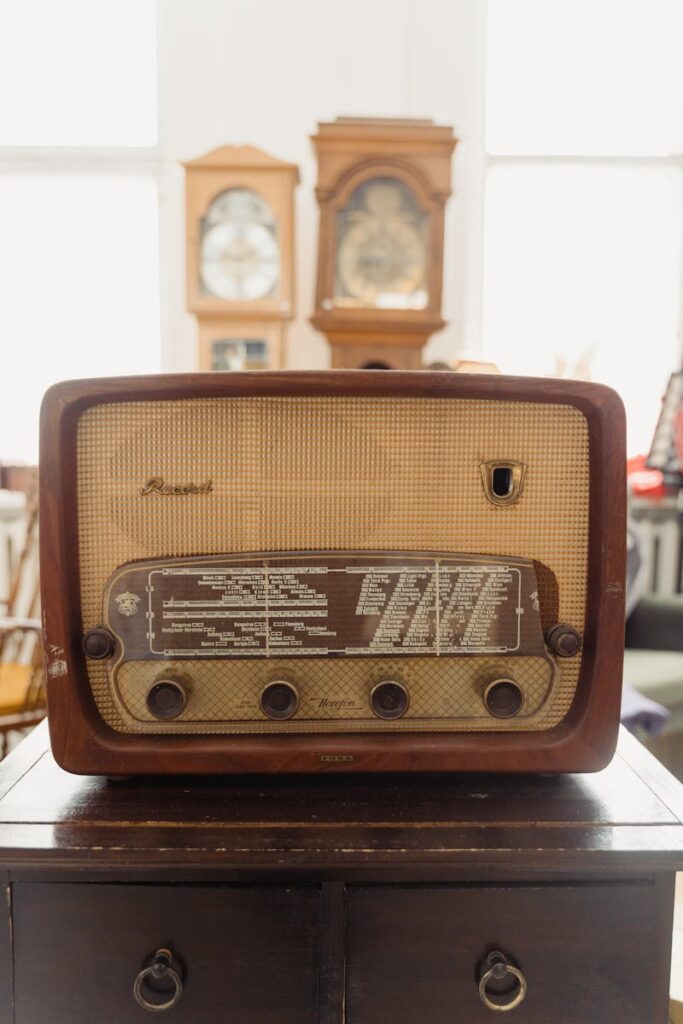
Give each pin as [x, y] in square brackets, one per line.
[240, 256]
[240, 261]
[381, 249]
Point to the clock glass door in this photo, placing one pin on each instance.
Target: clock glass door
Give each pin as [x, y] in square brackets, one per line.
[239, 354]
[240, 255]
[381, 259]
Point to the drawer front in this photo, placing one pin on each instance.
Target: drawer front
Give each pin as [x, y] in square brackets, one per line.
[586, 953]
[244, 955]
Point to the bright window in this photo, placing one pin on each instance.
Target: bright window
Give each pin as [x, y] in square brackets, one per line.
[79, 254]
[585, 76]
[583, 232]
[77, 73]
[79, 271]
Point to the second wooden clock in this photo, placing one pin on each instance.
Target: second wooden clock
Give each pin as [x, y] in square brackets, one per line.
[382, 188]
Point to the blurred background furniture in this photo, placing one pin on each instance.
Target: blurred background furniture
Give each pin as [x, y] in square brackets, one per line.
[660, 529]
[22, 691]
[653, 665]
[653, 662]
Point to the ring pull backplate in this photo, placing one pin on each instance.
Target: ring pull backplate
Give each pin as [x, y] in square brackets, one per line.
[151, 987]
[496, 969]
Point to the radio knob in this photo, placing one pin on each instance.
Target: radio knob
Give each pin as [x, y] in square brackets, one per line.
[389, 699]
[279, 700]
[98, 643]
[564, 641]
[503, 698]
[167, 698]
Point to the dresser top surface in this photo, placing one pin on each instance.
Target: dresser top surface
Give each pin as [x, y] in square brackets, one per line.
[627, 817]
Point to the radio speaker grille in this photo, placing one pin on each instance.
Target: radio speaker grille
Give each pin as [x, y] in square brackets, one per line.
[332, 473]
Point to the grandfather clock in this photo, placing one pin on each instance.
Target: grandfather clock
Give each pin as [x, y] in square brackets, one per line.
[240, 256]
[382, 188]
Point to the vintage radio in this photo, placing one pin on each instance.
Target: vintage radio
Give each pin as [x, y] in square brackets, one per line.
[332, 571]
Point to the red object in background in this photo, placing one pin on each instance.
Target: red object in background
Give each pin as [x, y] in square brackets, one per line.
[19, 478]
[678, 436]
[648, 483]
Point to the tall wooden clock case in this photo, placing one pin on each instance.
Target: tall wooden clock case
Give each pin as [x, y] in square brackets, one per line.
[382, 189]
[240, 256]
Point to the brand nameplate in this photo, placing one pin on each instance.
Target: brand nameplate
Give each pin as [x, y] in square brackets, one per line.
[157, 485]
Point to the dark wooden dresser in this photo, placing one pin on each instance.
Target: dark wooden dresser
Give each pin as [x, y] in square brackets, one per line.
[371, 900]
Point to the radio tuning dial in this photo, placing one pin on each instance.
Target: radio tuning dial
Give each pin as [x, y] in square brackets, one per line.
[389, 699]
[167, 698]
[279, 700]
[504, 698]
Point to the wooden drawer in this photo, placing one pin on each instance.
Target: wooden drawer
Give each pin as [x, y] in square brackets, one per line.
[588, 953]
[248, 954]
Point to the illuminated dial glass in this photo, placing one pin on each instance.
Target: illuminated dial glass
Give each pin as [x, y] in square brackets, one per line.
[381, 248]
[240, 256]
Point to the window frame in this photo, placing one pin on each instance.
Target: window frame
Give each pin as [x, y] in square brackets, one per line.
[489, 160]
[110, 161]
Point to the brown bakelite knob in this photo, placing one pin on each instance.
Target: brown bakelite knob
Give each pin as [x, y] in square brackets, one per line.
[167, 698]
[504, 698]
[279, 700]
[98, 643]
[389, 699]
[564, 641]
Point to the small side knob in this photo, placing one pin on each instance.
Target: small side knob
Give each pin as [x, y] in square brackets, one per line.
[564, 641]
[98, 643]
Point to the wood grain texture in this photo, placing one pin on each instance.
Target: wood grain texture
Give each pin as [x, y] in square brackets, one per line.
[410, 825]
[332, 954]
[246, 953]
[414, 953]
[325, 898]
[584, 741]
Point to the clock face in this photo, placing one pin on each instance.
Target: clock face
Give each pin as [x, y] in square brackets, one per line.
[240, 256]
[381, 248]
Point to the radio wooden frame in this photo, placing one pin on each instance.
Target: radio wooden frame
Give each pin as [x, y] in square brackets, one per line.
[83, 743]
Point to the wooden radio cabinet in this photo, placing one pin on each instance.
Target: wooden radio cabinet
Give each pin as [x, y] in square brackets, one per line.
[332, 572]
[326, 900]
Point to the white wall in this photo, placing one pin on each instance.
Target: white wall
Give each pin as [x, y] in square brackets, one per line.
[265, 71]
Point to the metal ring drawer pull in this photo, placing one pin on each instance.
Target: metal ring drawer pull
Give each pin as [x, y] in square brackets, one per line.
[160, 968]
[497, 966]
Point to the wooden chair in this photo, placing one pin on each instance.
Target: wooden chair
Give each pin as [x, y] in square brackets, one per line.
[22, 686]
